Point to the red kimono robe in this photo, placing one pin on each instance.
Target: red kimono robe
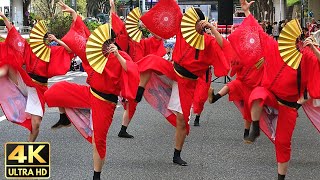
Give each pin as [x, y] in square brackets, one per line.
[59, 64]
[136, 51]
[113, 82]
[281, 88]
[248, 64]
[311, 107]
[139, 50]
[145, 47]
[119, 28]
[12, 102]
[184, 55]
[201, 92]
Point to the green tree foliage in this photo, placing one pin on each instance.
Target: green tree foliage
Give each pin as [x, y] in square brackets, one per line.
[81, 6]
[92, 25]
[2, 22]
[44, 8]
[292, 2]
[59, 25]
[145, 32]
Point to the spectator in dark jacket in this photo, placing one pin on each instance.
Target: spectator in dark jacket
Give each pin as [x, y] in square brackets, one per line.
[269, 29]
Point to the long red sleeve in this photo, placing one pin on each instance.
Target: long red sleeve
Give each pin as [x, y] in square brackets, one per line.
[59, 63]
[313, 72]
[119, 28]
[114, 78]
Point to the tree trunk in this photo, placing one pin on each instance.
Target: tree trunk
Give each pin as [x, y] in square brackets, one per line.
[26, 4]
[264, 10]
[97, 6]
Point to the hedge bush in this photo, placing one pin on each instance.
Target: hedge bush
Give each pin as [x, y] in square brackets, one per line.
[2, 22]
[92, 25]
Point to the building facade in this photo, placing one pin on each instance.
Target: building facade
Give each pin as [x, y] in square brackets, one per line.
[280, 10]
[13, 9]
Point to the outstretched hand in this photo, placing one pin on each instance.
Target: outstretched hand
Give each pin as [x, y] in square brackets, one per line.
[111, 3]
[65, 8]
[112, 7]
[51, 37]
[113, 49]
[246, 6]
[205, 24]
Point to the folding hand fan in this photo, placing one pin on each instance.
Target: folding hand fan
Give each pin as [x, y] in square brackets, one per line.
[188, 29]
[290, 44]
[38, 36]
[132, 24]
[96, 47]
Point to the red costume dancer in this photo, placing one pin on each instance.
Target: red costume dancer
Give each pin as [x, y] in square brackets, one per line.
[39, 71]
[248, 67]
[119, 76]
[189, 64]
[312, 107]
[201, 95]
[12, 101]
[281, 88]
[136, 50]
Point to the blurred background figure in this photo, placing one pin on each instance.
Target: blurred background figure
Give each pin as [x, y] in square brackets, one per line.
[275, 31]
[269, 28]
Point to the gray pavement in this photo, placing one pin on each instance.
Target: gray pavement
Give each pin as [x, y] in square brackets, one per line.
[213, 151]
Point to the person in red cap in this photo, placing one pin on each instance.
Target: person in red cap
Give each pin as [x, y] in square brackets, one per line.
[281, 88]
[34, 86]
[91, 107]
[188, 64]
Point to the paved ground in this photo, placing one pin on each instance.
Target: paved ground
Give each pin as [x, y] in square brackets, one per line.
[214, 150]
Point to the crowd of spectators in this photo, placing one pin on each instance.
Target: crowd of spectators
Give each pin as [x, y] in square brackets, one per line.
[275, 28]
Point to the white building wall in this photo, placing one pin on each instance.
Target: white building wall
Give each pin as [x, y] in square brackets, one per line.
[4, 3]
[17, 12]
[277, 16]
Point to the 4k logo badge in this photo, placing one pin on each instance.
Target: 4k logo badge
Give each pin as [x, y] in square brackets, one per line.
[27, 160]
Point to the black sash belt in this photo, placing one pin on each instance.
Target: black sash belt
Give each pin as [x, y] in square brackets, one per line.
[39, 79]
[184, 72]
[109, 97]
[289, 104]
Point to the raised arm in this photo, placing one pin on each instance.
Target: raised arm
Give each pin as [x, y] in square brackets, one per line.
[6, 21]
[51, 37]
[246, 6]
[205, 24]
[66, 8]
[112, 7]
